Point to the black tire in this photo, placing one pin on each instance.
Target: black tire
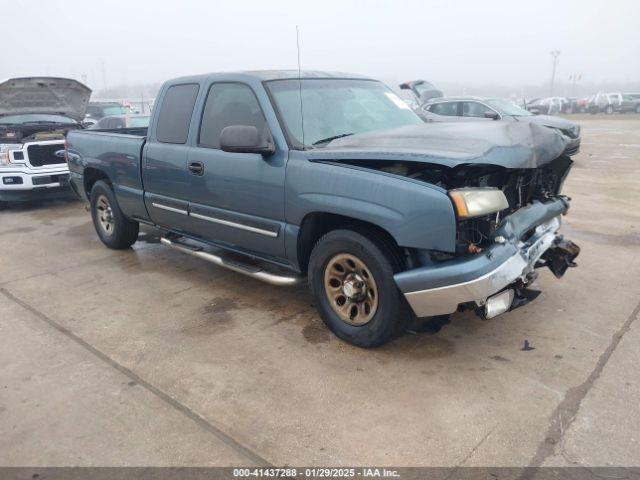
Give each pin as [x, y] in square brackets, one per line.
[382, 260]
[122, 232]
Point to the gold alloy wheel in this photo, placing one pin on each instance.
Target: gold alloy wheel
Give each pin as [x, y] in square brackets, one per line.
[105, 215]
[350, 288]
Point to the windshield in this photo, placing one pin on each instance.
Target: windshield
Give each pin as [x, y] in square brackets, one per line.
[508, 108]
[332, 108]
[139, 121]
[115, 110]
[36, 118]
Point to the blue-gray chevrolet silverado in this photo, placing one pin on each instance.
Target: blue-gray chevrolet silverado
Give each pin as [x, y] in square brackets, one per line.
[332, 179]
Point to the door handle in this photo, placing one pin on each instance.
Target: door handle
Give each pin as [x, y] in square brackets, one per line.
[196, 168]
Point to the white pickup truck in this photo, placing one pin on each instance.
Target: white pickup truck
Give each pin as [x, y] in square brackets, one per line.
[35, 115]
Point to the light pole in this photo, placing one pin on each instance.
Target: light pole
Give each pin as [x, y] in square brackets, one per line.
[555, 54]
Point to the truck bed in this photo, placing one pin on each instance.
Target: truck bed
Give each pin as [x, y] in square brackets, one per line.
[116, 154]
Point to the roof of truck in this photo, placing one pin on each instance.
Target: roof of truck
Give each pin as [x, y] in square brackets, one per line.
[265, 75]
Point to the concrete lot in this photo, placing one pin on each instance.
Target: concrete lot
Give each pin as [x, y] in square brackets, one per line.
[151, 357]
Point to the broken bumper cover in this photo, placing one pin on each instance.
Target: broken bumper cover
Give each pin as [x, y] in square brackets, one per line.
[527, 237]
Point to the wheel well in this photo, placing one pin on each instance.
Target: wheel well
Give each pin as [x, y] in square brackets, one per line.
[91, 176]
[315, 225]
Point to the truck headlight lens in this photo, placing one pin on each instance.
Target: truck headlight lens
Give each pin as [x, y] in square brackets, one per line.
[475, 202]
[4, 153]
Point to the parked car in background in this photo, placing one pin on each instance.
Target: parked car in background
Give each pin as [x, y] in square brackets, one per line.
[604, 103]
[98, 110]
[35, 115]
[550, 105]
[465, 109]
[116, 122]
[628, 104]
[581, 104]
[380, 213]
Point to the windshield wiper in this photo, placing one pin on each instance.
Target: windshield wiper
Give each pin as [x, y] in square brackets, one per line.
[329, 139]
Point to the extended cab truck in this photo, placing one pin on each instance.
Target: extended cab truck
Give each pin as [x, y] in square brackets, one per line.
[382, 214]
[35, 115]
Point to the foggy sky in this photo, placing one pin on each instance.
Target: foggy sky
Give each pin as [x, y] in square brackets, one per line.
[467, 42]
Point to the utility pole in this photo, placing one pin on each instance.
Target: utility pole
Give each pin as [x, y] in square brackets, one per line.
[555, 54]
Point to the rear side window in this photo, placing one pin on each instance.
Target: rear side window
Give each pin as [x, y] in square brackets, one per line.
[175, 113]
[230, 104]
[448, 109]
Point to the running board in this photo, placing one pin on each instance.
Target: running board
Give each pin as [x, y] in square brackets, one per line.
[223, 260]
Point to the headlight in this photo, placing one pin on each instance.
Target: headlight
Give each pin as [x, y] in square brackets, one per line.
[4, 153]
[475, 202]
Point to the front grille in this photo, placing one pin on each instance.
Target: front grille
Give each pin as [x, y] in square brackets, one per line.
[40, 155]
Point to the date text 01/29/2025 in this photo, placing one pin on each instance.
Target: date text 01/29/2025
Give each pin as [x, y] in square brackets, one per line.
[364, 472]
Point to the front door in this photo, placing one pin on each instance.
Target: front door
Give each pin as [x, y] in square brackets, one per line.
[236, 199]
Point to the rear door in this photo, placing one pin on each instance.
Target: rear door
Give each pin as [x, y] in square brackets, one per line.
[165, 172]
[236, 199]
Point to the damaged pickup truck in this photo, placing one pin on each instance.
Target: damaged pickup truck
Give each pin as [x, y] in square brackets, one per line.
[333, 180]
[35, 115]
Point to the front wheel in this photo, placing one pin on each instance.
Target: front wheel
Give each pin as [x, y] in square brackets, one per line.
[114, 229]
[351, 279]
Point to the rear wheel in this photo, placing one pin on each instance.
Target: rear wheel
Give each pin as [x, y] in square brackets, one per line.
[351, 279]
[114, 229]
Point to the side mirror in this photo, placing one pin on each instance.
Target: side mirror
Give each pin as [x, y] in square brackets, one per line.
[535, 111]
[492, 115]
[244, 139]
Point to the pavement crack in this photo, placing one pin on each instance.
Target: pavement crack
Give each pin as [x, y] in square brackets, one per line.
[165, 397]
[566, 411]
[454, 471]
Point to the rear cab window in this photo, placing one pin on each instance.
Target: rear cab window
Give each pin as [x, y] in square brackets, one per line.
[175, 113]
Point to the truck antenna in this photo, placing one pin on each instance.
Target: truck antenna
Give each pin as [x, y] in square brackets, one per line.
[300, 84]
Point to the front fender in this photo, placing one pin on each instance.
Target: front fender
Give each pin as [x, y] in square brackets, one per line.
[416, 214]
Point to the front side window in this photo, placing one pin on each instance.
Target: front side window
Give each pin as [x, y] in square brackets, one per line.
[447, 109]
[175, 113]
[230, 104]
[332, 108]
[474, 109]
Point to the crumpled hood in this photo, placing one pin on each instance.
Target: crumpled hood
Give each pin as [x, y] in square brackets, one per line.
[551, 121]
[507, 144]
[50, 95]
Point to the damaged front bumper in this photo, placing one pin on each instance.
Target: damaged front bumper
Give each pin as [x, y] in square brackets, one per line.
[525, 240]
